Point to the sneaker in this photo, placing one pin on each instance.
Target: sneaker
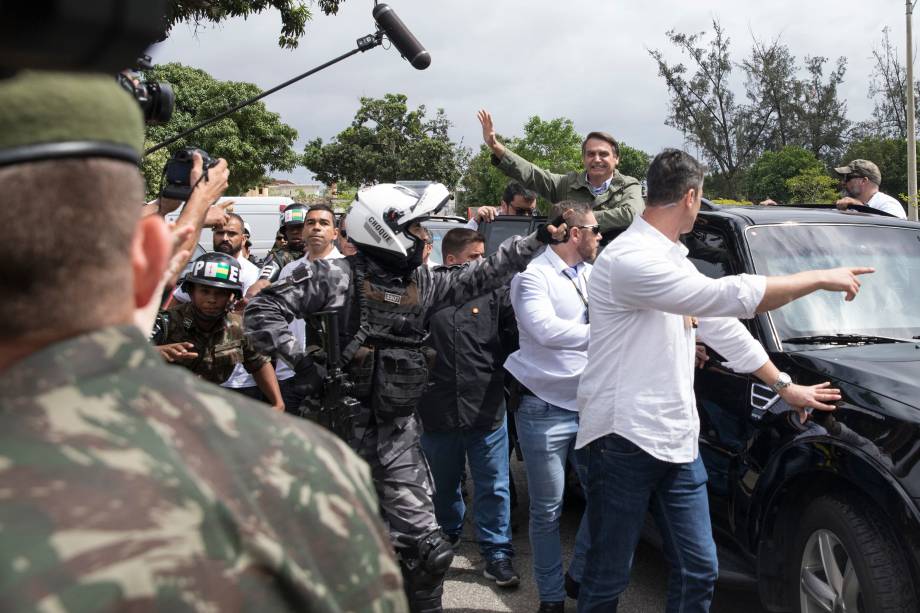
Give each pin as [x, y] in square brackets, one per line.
[501, 572]
[551, 607]
[571, 587]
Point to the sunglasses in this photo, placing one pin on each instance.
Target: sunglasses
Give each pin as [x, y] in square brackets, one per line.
[595, 229]
[848, 177]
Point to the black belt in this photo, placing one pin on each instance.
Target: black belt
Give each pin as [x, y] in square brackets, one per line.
[523, 391]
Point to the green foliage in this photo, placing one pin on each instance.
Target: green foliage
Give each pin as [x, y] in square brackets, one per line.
[730, 202]
[633, 162]
[385, 143]
[482, 183]
[553, 145]
[253, 140]
[294, 13]
[767, 177]
[812, 186]
[890, 155]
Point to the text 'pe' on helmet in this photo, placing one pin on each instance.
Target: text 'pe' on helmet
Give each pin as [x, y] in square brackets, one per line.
[215, 270]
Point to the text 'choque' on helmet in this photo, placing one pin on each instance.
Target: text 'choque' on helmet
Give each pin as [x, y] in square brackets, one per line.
[215, 270]
[380, 216]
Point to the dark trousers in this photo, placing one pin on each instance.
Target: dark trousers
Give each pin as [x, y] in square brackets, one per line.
[624, 482]
[291, 397]
[252, 392]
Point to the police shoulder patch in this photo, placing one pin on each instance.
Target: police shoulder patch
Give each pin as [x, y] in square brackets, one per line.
[302, 273]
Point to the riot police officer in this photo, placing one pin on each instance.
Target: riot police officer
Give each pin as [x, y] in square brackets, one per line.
[382, 297]
[203, 334]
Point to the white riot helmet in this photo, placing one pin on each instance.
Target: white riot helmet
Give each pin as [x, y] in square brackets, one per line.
[380, 215]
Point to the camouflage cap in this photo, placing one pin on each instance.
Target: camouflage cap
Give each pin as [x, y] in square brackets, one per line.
[861, 168]
[48, 115]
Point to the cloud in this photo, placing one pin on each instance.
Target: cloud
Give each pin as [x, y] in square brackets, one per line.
[587, 61]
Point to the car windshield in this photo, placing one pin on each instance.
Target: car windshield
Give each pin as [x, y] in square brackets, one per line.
[887, 302]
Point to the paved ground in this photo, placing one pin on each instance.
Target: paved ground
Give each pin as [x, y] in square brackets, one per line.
[466, 591]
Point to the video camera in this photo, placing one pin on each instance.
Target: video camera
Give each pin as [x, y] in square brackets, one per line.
[178, 173]
[156, 98]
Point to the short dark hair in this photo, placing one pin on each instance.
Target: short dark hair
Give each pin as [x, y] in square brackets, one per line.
[73, 277]
[671, 174]
[580, 207]
[457, 239]
[604, 136]
[322, 207]
[516, 189]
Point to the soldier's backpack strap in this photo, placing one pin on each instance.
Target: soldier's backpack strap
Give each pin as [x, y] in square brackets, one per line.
[360, 336]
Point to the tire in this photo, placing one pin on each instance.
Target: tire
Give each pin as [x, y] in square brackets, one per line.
[848, 559]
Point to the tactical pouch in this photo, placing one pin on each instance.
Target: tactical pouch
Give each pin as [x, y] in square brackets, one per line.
[361, 371]
[399, 382]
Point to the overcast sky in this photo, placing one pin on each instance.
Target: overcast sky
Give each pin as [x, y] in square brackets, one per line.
[587, 61]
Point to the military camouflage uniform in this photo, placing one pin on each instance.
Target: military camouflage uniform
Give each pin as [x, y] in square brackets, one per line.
[390, 444]
[276, 260]
[219, 351]
[129, 485]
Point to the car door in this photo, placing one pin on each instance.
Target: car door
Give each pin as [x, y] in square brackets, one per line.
[724, 398]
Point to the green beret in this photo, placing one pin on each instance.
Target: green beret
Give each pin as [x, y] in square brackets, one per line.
[47, 115]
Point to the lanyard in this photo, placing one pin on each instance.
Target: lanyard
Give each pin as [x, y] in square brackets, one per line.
[584, 299]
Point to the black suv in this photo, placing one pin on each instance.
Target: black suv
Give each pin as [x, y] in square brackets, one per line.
[823, 516]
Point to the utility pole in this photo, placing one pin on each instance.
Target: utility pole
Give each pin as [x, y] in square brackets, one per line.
[911, 130]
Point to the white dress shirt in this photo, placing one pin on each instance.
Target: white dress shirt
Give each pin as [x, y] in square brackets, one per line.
[297, 326]
[638, 382]
[884, 202]
[552, 327]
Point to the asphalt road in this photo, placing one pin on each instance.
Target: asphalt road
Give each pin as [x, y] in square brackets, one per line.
[467, 591]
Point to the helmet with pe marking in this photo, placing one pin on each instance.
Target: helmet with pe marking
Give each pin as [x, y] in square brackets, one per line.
[215, 270]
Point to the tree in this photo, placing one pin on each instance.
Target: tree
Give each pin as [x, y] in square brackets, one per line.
[767, 177]
[385, 143]
[812, 186]
[294, 14]
[253, 140]
[821, 114]
[633, 162]
[888, 89]
[702, 106]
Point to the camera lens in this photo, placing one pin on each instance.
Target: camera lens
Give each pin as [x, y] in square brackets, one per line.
[161, 101]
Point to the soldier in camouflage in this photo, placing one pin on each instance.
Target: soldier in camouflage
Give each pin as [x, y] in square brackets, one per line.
[292, 224]
[383, 297]
[126, 484]
[205, 336]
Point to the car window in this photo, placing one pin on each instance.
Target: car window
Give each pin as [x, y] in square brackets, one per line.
[886, 304]
[503, 228]
[709, 252]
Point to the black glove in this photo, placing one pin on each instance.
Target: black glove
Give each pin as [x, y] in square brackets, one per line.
[544, 236]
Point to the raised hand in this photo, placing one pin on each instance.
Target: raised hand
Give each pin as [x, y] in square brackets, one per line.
[488, 133]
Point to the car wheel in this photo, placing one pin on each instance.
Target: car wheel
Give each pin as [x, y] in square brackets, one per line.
[844, 560]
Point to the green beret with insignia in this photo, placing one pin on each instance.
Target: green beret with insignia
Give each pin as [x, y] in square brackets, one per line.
[51, 115]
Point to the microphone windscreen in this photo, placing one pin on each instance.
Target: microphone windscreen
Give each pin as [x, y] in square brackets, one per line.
[404, 41]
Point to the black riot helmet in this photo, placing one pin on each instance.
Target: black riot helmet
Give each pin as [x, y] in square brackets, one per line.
[216, 270]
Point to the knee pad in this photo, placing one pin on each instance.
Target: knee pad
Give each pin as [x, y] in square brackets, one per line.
[435, 553]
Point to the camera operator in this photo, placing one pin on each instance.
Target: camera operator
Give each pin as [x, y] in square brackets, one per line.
[131, 485]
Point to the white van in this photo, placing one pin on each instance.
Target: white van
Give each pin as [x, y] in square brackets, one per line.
[262, 213]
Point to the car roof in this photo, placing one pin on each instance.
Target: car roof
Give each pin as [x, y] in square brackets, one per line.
[759, 215]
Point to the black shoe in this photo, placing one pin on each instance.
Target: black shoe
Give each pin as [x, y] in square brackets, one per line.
[454, 540]
[571, 587]
[501, 572]
[551, 607]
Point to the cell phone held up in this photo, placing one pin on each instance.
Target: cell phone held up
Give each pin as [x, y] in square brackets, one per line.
[177, 184]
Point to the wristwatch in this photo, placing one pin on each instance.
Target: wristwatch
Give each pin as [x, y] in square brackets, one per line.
[782, 382]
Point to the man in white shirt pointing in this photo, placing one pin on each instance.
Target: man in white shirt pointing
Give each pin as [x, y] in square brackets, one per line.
[638, 422]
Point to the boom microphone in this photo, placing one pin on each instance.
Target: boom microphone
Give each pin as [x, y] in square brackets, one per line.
[404, 41]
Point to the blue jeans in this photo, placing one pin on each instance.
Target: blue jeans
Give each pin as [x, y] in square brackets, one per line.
[487, 451]
[546, 434]
[624, 482]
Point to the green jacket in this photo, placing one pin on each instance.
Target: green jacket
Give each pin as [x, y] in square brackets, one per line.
[614, 209]
[132, 485]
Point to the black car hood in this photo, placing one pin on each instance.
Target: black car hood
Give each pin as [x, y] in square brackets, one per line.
[891, 370]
